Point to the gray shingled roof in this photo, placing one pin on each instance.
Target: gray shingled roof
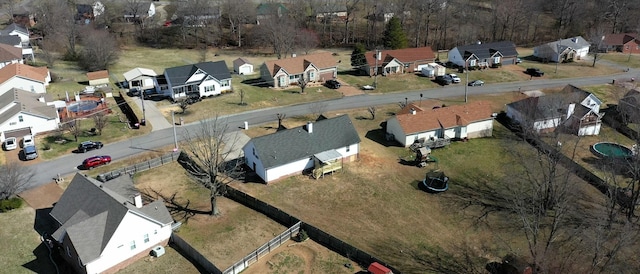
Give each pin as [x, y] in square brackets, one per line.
[11, 40]
[89, 214]
[486, 50]
[554, 105]
[13, 27]
[293, 144]
[179, 75]
[27, 102]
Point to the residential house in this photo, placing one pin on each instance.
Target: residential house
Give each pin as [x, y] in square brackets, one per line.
[569, 49]
[197, 80]
[291, 151]
[414, 123]
[25, 77]
[23, 17]
[84, 14]
[23, 113]
[484, 54]
[317, 67]
[10, 55]
[331, 11]
[398, 61]
[203, 18]
[141, 78]
[103, 227]
[139, 11]
[621, 42]
[242, 66]
[266, 11]
[100, 77]
[22, 32]
[572, 110]
[629, 106]
[15, 41]
[382, 13]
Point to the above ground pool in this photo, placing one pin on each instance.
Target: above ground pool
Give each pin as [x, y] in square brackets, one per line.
[83, 106]
[611, 150]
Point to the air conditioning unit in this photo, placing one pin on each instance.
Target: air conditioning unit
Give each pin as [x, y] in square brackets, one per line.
[157, 251]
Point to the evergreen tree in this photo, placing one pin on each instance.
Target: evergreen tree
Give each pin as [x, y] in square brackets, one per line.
[358, 58]
[394, 37]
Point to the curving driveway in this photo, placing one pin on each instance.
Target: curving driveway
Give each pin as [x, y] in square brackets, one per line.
[46, 171]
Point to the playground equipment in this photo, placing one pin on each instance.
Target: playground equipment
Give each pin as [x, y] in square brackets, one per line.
[435, 181]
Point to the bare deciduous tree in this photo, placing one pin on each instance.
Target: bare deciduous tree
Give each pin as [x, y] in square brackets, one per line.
[14, 177]
[100, 120]
[307, 41]
[238, 13]
[280, 116]
[372, 110]
[57, 20]
[100, 50]
[318, 108]
[302, 83]
[73, 127]
[213, 150]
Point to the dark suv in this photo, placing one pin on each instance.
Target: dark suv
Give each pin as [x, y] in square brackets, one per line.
[89, 145]
[444, 80]
[333, 84]
[535, 72]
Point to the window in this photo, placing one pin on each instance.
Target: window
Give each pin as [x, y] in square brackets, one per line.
[209, 88]
[133, 245]
[146, 238]
[68, 251]
[496, 60]
[348, 148]
[472, 63]
[254, 151]
[13, 123]
[20, 118]
[224, 83]
[312, 75]
[155, 231]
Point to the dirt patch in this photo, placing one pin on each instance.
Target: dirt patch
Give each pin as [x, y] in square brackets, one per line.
[43, 196]
[306, 257]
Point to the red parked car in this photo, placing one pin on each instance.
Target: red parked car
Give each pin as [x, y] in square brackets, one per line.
[95, 161]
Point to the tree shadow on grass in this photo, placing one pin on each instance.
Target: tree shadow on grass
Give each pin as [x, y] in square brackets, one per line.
[380, 136]
[180, 209]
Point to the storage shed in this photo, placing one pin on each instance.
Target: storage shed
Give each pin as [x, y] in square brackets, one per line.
[433, 70]
[377, 268]
[242, 66]
[98, 77]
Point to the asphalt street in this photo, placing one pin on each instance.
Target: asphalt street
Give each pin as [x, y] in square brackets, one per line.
[67, 164]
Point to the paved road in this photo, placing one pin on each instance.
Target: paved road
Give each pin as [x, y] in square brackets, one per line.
[46, 171]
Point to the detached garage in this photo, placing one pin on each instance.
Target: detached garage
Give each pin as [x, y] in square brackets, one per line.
[100, 77]
[242, 66]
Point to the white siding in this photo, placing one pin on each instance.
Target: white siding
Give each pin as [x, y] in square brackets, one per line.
[245, 69]
[24, 84]
[455, 57]
[251, 159]
[208, 83]
[288, 169]
[132, 228]
[478, 127]
[589, 130]
[37, 124]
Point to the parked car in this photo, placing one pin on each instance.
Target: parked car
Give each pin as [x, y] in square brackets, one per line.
[535, 72]
[10, 143]
[476, 83]
[332, 84]
[443, 80]
[27, 140]
[368, 87]
[30, 152]
[89, 145]
[454, 78]
[95, 161]
[518, 60]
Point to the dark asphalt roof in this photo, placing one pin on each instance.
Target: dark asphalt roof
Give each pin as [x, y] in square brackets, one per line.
[297, 143]
[178, 76]
[486, 50]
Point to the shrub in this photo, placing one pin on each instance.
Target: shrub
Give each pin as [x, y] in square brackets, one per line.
[46, 146]
[301, 236]
[10, 204]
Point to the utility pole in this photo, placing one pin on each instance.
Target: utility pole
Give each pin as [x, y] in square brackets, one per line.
[375, 73]
[144, 116]
[466, 85]
[175, 136]
[558, 48]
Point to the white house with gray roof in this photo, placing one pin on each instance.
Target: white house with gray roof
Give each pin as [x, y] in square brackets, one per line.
[197, 80]
[573, 48]
[484, 54]
[292, 151]
[103, 227]
[142, 78]
[23, 112]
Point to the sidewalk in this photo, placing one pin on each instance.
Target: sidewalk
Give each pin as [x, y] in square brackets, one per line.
[152, 114]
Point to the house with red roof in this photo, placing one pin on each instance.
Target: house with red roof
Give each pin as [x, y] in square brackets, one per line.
[398, 61]
[100, 77]
[415, 124]
[25, 77]
[621, 42]
[318, 67]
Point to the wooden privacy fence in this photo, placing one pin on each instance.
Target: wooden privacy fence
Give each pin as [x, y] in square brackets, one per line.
[146, 165]
[194, 256]
[263, 250]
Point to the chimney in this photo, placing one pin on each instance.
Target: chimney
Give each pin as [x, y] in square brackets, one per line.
[41, 99]
[137, 200]
[379, 55]
[413, 111]
[309, 127]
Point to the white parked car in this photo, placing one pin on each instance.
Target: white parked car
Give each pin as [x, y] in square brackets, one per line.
[10, 143]
[27, 140]
[454, 78]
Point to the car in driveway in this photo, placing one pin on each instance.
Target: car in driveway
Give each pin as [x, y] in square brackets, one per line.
[30, 152]
[443, 80]
[475, 83]
[27, 140]
[96, 161]
[10, 143]
[332, 84]
[89, 145]
[454, 78]
[535, 72]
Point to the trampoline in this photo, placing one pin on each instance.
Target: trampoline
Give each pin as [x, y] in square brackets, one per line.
[82, 106]
[435, 181]
[611, 150]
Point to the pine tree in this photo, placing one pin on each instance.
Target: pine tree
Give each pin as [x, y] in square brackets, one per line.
[358, 58]
[394, 36]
